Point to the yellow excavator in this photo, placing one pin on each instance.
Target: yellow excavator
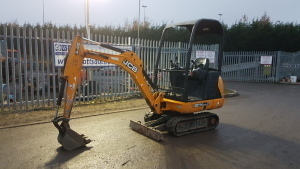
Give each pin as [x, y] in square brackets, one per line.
[177, 106]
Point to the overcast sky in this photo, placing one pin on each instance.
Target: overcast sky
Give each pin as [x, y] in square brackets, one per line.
[115, 12]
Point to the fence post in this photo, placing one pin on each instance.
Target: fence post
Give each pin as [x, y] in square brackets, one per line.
[178, 51]
[278, 55]
[1, 81]
[239, 65]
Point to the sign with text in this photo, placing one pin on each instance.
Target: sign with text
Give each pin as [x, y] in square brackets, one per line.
[206, 54]
[61, 50]
[266, 60]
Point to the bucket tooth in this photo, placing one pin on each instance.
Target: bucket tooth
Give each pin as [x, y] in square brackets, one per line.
[147, 131]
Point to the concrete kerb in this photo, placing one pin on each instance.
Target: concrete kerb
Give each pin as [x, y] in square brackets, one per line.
[78, 117]
[290, 83]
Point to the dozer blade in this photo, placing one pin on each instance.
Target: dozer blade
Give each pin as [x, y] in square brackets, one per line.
[71, 140]
[147, 131]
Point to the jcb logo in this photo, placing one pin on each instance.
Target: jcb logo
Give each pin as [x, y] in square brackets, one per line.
[130, 65]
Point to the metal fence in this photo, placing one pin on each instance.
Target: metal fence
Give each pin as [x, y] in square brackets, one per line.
[30, 77]
[288, 65]
[248, 66]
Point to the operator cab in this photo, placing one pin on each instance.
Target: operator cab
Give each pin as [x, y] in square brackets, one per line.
[191, 76]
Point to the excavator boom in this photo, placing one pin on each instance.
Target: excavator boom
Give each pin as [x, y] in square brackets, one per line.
[127, 60]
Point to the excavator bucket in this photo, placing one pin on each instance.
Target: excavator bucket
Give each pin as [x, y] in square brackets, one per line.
[68, 138]
[71, 140]
[147, 131]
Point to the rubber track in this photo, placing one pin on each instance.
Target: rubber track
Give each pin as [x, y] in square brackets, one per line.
[172, 123]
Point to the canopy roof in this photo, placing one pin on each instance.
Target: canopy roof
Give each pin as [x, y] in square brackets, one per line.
[203, 26]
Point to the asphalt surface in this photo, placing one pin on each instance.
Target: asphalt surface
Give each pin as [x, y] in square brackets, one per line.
[258, 129]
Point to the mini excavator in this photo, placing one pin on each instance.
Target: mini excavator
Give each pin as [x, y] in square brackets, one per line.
[179, 108]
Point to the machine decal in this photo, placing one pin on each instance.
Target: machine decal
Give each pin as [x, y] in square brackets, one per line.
[218, 104]
[201, 104]
[115, 58]
[77, 48]
[130, 65]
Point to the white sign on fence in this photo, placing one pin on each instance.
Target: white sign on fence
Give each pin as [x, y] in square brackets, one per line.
[61, 49]
[206, 54]
[266, 60]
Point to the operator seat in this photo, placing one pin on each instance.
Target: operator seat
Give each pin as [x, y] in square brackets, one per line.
[208, 79]
[200, 70]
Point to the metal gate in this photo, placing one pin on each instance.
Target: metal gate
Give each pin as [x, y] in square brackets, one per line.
[248, 67]
[288, 65]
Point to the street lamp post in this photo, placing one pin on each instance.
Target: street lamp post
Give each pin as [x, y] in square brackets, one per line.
[220, 17]
[144, 6]
[43, 12]
[87, 19]
[139, 25]
[87, 24]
